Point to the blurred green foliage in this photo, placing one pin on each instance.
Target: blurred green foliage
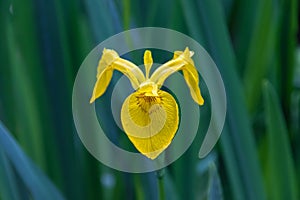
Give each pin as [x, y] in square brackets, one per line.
[254, 46]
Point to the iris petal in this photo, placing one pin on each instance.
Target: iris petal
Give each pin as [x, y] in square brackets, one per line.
[181, 61]
[150, 122]
[148, 61]
[101, 84]
[109, 62]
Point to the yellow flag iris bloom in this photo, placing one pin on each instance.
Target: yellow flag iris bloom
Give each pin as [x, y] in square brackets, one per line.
[149, 115]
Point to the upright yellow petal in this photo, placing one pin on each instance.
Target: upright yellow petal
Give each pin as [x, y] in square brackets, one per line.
[109, 62]
[148, 61]
[150, 122]
[181, 61]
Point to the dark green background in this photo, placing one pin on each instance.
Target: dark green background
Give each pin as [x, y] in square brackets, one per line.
[254, 44]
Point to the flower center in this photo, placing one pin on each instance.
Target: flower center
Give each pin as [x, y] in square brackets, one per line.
[148, 89]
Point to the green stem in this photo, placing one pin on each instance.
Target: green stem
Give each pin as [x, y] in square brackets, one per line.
[160, 177]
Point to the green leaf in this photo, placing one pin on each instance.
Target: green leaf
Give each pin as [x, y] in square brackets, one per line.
[261, 51]
[242, 152]
[24, 92]
[232, 166]
[286, 51]
[171, 192]
[36, 182]
[8, 183]
[208, 185]
[192, 20]
[103, 18]
[241, 25]
[280, 175]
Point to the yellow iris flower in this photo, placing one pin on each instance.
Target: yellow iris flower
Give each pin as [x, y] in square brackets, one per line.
[149, 115]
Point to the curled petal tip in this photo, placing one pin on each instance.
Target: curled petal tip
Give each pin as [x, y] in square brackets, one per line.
[186, 52]
[198, 99]
[92, 99]
[191, 53]
[201, 102]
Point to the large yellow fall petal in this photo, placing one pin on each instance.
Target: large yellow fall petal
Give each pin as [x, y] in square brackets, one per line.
[150, 122]
[109, 62]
